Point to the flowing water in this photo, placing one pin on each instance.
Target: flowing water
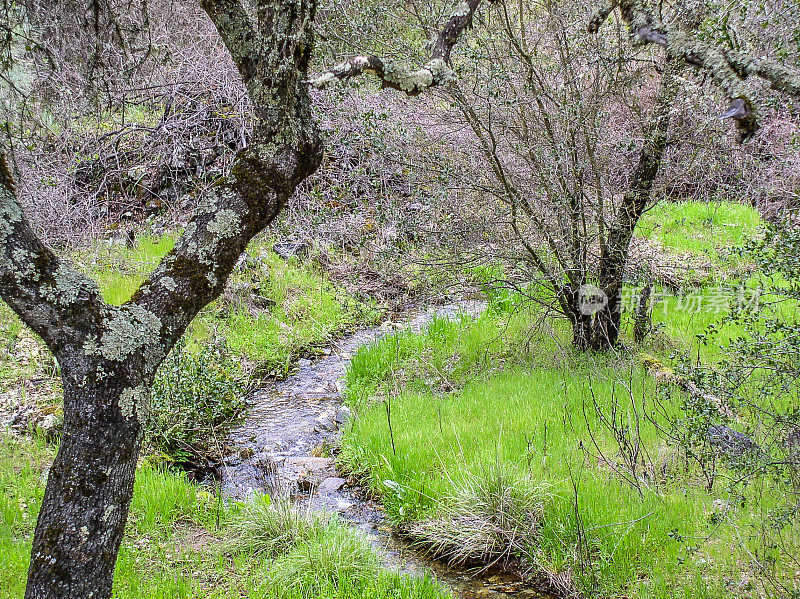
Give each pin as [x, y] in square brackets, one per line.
[276, 448]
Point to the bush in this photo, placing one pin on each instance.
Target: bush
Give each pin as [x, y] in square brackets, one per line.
[197, 396]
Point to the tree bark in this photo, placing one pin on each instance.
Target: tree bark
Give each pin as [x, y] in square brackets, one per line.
[641, 323]
[88, 492]
[109, 355]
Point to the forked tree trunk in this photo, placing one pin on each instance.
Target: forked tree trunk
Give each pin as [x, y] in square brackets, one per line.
[109, 355]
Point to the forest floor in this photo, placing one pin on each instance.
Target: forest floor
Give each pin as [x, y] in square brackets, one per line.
[486, 440]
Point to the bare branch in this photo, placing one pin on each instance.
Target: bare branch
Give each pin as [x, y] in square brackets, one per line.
[284, 149]
[436, 72]
[728, 68]
[393, 75]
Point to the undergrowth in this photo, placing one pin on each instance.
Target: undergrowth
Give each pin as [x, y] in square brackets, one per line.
[182, 542]
[626, 511]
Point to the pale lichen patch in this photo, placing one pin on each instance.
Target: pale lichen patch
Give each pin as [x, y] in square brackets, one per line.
[461, 9]
[129, 329]
[68, 285]
[226, 223]
[133, 402]
[25, 267]
[168, 283]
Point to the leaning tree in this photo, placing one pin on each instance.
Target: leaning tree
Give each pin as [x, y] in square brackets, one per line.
[108, 355]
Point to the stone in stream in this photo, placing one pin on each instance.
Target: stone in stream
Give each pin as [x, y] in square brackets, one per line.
[331, 484]
[343, 414]
[328, 421]
[308, 484]
[309, 464]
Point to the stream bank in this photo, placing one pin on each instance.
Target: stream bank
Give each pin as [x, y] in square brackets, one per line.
[280, 449]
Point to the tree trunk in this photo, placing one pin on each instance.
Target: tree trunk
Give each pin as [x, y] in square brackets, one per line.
[580, 319]
[109, 354]
[642, 323]
[581, 332]
[614, 257]
[89, 490]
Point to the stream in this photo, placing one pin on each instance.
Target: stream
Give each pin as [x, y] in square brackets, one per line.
[276, 450]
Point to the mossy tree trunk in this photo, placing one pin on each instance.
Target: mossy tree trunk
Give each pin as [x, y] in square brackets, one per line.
[109, 355]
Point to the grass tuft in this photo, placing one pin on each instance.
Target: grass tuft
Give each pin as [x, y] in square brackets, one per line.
[340, 557]
[269, 528]
[489, 517]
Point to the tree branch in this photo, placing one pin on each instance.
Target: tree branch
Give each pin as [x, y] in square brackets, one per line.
[285, 148]
[60, 304]
[728, 68]
[237, 32]
[437, 71]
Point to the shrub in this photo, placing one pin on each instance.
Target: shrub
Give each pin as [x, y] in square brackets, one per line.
[197, 396]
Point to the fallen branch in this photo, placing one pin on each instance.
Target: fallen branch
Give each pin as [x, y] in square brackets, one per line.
[663, 375]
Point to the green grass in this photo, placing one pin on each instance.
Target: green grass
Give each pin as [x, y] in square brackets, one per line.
[707, 229]
[301, 309]
[120, 270]
[537, 416]
[172, 547]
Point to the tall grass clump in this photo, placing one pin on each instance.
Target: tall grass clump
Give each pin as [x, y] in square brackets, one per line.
[265, 527]
[342, 557]
[486, 518]
[161, 497]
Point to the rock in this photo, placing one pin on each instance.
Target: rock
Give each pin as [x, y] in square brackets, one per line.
[241, 263]
[730, 442]
[343, 414]
[722, 506]
[292, 249]
[304, 362]
[315, 465]
[331, 484]
[261, 302]
[49, 425]
[327, 421]
[308, 484]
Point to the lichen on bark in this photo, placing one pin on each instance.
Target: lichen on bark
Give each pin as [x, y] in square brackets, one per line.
[130, 328]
